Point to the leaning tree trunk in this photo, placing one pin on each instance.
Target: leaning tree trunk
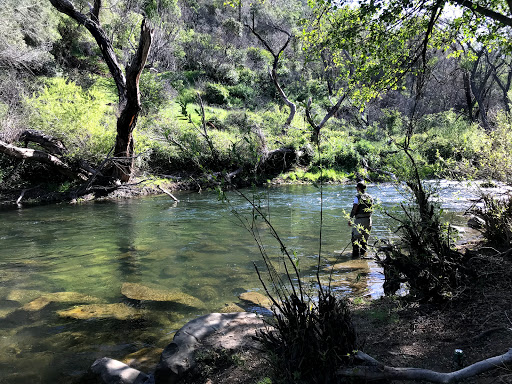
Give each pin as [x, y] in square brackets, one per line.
[130, 108]
[127, 87]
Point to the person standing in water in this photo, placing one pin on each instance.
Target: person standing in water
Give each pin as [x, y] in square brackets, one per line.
[362, 223]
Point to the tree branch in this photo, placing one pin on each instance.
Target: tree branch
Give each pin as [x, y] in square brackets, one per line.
[375, 370]
[486, 11]
[107, 50]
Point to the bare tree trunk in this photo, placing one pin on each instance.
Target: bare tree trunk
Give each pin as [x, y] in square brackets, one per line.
[375, 370]
[273, 72]
[467, 92]
[127, 87]
[315, 136]
[130, 107]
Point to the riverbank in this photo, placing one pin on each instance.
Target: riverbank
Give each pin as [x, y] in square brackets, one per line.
[478, 321]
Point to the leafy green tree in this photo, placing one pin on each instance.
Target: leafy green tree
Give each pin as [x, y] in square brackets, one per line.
[367, 55]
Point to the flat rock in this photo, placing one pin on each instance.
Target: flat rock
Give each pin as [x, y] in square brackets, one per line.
[59, 297]
[137, 291]
[117, 311]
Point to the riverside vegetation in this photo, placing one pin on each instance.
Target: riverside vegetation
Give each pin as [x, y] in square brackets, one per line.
[208, 105]
[232, 92]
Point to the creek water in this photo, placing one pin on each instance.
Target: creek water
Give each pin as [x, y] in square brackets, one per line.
[55, 257]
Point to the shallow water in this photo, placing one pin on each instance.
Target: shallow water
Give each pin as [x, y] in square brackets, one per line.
[196, 246]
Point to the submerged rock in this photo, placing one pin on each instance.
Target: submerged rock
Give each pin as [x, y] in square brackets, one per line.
[256, 299]
[23, 295]
[231, 307]
[144, 359]
[59, 297]
[137, 291]
[7, 307]
[117, 311]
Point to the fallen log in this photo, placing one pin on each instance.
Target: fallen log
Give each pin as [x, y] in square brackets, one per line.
[51, 144]
[42, 157]
[375, 370]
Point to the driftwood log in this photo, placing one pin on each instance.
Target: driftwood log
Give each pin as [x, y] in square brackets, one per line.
[375, 370]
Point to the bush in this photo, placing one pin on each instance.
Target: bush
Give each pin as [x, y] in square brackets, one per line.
[153, 92]
[83, 119]
[495, 161]
[312, 337]
[241, 91]
[497, 215]
[258, 58]
[216, 94]
[423, 256]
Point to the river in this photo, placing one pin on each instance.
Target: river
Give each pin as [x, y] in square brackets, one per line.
[53, 258]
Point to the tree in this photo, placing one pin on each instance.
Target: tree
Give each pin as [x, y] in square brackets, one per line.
[368, 56]
[477, 76]
[276, 54]
[127, 85]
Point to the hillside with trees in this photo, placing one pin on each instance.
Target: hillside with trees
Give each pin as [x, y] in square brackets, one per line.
[98, 96]
[244, 91]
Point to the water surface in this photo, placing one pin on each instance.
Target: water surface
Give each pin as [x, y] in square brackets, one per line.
[196, 246]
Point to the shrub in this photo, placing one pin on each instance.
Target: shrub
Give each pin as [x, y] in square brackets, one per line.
[311, 337]
[215, 94]
[153, 92]
[258, 57]
[241, 91]
[83, 119]
[423, 256]
[497, 215]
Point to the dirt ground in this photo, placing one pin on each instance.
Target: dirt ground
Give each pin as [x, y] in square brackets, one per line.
[478, 321]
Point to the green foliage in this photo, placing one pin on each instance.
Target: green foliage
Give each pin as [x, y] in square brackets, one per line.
[315, 175]
[497, 214]
[392, 123]
[153, 92]
[258, 58]
[83, 119]
[494, 160]
[216, 94]
[240, 94]
[369, 54]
